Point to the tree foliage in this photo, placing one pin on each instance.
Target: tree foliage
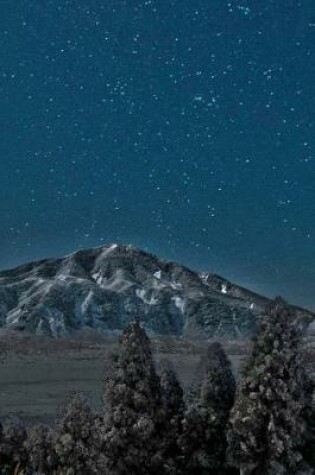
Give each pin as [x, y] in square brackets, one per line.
[174, 409]
[76, 439]
[13, 453]
[134, 416]
[210, 399]
[41, 454]
[266, 424]
[308, 443]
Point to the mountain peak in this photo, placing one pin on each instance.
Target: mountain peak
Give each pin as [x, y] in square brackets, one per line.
[107, 287]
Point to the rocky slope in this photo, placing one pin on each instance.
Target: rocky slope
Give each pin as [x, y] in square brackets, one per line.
[105, 288]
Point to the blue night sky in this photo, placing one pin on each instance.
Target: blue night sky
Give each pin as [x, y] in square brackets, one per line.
[182, 127]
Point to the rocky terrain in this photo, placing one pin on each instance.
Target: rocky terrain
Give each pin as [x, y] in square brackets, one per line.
[105, 288]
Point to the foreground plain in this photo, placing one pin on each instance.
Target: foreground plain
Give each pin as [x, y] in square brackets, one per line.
[38, 374]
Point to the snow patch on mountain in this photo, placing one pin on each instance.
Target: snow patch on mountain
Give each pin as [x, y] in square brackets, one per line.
[141, 294]
[224, 289]
[179, 303]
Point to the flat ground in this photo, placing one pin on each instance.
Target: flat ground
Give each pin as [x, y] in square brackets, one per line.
[37, 375]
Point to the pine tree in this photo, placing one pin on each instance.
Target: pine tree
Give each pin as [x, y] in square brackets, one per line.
[174, 409]
[77, 439]
[210, 399]
[266, 421]
[133, 419]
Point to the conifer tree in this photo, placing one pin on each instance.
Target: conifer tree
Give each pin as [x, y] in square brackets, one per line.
[174, 408]
[266, 424]
[77, 439]
[133, 419]
[210, 399]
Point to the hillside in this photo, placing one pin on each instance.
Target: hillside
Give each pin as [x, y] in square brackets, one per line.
[105, 288]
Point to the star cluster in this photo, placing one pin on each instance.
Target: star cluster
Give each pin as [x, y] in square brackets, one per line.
[185, 128]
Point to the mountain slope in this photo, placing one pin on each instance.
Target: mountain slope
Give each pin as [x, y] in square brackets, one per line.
[105, 288]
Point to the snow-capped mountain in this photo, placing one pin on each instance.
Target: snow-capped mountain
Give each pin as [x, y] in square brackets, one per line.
[105, 288]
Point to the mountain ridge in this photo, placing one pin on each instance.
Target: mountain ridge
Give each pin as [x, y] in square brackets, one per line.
[104, 288]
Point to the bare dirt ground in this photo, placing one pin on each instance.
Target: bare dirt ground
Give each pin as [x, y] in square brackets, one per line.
[37, 374]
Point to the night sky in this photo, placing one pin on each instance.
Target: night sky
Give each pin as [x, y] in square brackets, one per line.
[186, 128]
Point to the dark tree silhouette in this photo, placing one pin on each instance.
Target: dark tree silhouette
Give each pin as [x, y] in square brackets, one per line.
[39, 444]
[174, 407]
[266, 422]
[210, 399]
[308, 443]
[13, 453]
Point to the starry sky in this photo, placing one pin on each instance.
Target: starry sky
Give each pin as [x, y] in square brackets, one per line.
[186, 128]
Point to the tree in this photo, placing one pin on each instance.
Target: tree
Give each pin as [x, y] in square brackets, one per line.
[39, 445]
[308, 444]
[13, 454]
[210, 399]
[174, 409]
[77, 439]
[266, 424]
[133, 420]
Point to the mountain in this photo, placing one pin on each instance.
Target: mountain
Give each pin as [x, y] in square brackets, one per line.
[105, 288]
